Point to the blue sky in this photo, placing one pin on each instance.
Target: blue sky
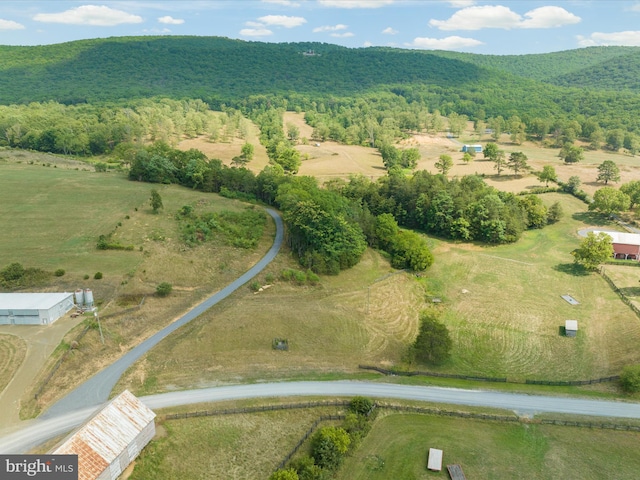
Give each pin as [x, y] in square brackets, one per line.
[500, 27]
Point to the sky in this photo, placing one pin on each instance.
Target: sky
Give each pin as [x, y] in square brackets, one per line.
[507, 27]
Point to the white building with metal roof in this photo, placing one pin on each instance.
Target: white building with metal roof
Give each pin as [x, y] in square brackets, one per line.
[33, 308]
[108, 442]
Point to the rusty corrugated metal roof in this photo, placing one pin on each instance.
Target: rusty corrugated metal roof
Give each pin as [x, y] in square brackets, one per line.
[100, 440]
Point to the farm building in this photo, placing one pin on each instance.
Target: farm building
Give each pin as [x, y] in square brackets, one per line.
[33, 308]
[435, 460]
[469, 148]
[111, 439]
[626, 246]
[571, 328]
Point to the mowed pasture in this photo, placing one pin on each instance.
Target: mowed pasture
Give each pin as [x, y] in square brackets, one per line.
[491, 450]
[505, 311]
[366, 314]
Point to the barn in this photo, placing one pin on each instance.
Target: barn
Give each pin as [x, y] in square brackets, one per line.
[33, 308]
[474, 148]
[626, 246]
[108, 442]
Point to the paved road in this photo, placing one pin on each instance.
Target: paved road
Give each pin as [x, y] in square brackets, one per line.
[96, 389]
[41, 430]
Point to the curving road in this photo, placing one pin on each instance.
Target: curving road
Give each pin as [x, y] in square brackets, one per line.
[41, 430]
[96, 389]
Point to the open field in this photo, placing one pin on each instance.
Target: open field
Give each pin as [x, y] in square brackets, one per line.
[12, 352]
[508, 324]
[332, 160]
[238, 446]
[491, 450]
[60, 225]
[327, 326]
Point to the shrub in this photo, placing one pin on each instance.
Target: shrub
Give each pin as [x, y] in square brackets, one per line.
[86, 276]
[630, 379]
[255, 286]
[97, 275]
[164, 289]
[360, 405]
[270, 278]
[59, 272]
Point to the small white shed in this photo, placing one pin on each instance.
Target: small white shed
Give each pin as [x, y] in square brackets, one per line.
[33, 308]
[435, 460]
[571, 328]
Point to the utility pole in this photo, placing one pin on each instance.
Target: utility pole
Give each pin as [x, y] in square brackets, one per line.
[95, 314]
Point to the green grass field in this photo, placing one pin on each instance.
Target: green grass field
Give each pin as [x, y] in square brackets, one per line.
[491, 450]
[242, 446]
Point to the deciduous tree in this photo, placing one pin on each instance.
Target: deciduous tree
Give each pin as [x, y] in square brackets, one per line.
[444, 164]
[517, 162]
[593, 250]
[548, 174]
[608, 171]
[609, 200]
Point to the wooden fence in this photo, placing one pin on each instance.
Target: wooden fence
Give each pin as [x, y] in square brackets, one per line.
[622, 296]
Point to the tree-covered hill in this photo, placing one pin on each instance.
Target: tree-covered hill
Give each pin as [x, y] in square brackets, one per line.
[551, 67]
[213, 67]
[246, 75]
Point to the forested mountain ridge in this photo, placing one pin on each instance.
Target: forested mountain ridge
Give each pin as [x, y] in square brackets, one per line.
[212, 67]
[249, 75]
[557, 67]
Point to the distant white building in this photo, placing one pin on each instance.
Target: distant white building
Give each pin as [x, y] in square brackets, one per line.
[111, 439]
[474, 148]
[33, 308]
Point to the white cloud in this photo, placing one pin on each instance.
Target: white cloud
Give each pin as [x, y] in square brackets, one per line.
[635, 8]
[10, 25]
[94, 15]
[355, 3]
[628, 39]
[389, 31]
[285, 3]
[343, 35]
[330, 28]
[367, 44]
[255, 32]
[461, 3]
[170, 20]
[283, 21]
[476, 18]
[449, 43]
[548, 17]
[498, 16]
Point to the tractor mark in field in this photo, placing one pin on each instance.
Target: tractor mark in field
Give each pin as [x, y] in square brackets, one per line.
[506, 259]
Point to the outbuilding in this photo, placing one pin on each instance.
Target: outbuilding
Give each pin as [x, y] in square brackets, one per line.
[626, 246]
[111, 439]
[33, 308]
[571, 328]
[475, 148]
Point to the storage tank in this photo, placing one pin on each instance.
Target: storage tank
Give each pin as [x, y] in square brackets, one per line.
[88, 297]
[79, 297]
